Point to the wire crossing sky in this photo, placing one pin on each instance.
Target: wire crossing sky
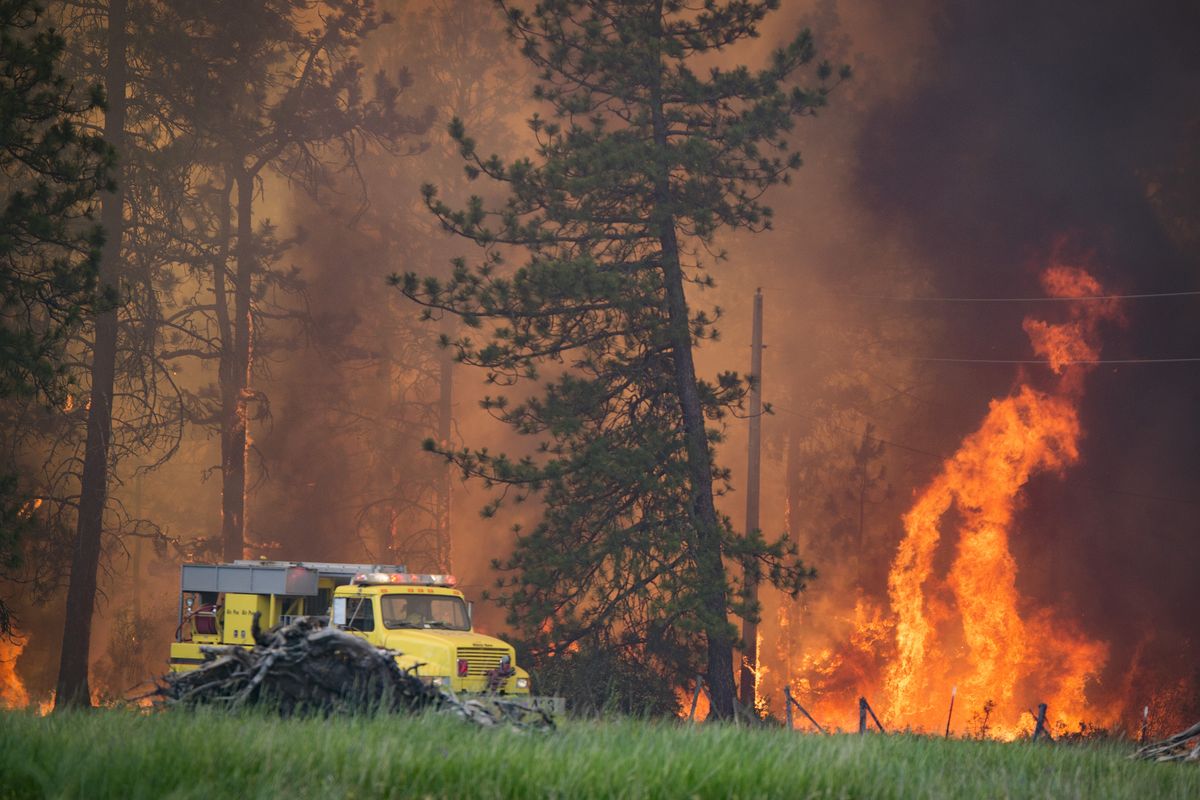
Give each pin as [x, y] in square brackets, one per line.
[1096, 298]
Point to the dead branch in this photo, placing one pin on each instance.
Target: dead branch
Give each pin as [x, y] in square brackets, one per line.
[1174, 748]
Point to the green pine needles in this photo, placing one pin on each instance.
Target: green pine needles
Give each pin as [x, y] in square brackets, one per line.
[641, 162]
[52, 169]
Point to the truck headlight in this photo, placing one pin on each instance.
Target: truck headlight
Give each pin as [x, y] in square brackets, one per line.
[439, 681]
[522, 683]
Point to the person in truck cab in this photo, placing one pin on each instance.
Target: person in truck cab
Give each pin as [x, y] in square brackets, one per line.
[415, 615]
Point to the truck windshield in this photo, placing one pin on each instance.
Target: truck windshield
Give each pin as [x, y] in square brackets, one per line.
[424, 611]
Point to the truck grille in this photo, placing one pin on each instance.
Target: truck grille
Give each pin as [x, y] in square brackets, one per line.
[481, 660]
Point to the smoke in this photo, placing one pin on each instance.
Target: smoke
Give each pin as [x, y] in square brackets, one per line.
[349, 478]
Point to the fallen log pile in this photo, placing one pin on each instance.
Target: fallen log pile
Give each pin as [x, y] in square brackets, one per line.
[1179, 747]
[307, 667]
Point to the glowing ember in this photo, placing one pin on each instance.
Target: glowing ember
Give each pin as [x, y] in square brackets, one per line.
[29, 507]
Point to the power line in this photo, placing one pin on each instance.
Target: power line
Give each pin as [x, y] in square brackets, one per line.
[1045, 363]
[1158, 497]
[1086, 298]
[1094, 486]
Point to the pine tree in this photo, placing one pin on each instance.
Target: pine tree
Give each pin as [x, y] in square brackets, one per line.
[53, 170]
[643, 161]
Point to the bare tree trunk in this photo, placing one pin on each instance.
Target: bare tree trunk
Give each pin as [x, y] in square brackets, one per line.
[792, 485]
[445, 551]
[789, 610]
[235, 376]
[73, 689]
[860, 556]
[384, 514]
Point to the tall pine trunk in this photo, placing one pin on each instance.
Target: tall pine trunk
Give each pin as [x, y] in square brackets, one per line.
[236, 363]
[710, 566]
[709, 563]
[73, 689]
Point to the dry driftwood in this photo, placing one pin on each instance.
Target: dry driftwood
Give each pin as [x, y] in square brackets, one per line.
[1174, 748]
[308, 667]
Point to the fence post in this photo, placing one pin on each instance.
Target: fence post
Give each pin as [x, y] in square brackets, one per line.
[871, 711]
[862, 715]
[740, 712]
[804, 711]
[1040, 730]
[787, 703]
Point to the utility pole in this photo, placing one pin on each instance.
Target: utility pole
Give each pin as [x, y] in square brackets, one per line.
[750, 575]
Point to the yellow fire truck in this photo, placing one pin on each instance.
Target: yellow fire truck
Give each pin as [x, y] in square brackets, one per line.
[422, 617]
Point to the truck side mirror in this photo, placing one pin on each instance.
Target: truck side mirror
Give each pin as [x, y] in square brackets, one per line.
[471, 615]
[339, 611]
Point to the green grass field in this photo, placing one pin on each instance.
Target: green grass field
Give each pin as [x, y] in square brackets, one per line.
[115, 754]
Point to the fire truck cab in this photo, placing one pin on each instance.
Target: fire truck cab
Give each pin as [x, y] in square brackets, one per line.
[421, 617]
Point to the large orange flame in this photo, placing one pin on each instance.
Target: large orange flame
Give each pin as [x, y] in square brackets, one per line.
[12, 688]
[981, 637]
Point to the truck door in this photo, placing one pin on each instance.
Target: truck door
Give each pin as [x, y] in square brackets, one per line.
[355, 614]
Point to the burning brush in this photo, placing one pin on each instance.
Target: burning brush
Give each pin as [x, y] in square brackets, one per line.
[966, 632]
[1026, 433]
[1030, 431]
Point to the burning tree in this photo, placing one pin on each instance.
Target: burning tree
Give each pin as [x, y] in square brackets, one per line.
[643, 162]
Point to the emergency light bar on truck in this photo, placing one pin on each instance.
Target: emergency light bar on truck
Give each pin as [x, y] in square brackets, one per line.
[404, 578]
